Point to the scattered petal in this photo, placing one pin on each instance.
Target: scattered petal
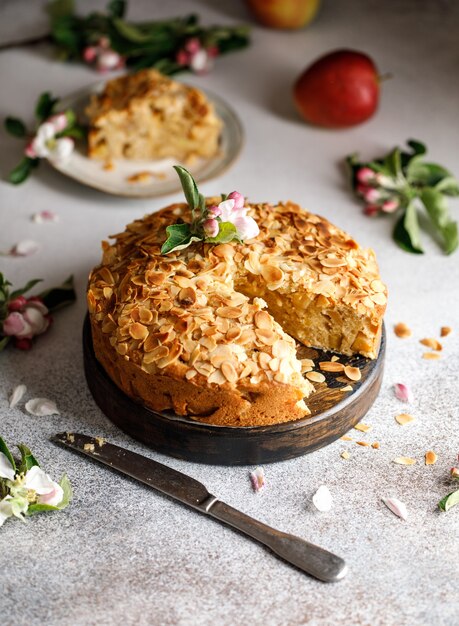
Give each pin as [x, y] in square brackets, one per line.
[17, 395]
[397, 507]
[44, 216]
[26, 247]
[404, 460]
[445, 331]
[257, 478]
[404, 418]
[403, 392]
[364, 428]
[41, 407]
[322, 499]
[402, 331]
[431, 458]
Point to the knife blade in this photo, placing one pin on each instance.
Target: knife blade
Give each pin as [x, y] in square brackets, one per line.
[304, 555]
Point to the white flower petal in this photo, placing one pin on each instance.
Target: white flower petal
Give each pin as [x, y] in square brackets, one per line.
[397, 507]
[322, 499]
[34, 316]
[37, 480]
[257, 478]
[44, 216]
[26, 247]
[17, 395]
[46, 131]
[247, 227]
[41, 407]
[6, 469]
[62, 149]
[226, 207]
[54, 497]
[6, 509]
[200, 61]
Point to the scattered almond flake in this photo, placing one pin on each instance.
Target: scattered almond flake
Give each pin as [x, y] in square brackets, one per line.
[334, 358]
[346, 388]
[71, 437]
[431, 458]
[364, 428]
[404, 460]
[345, 455]
[44, 216]
[397, 507]
[445, 331]
[404, 418]
[403, 392]
[375, 445]
[41, 407]
[100, 441]
[363, 443]
[89, 447]
[26, 247]
[139, 177]
[431, 356]
[257, 478]
[432, 343]
[331, 366]
[17, 395]
[402, 331]
[108, 166]
[322, 499]
[315, 377]
[346, 438]
[353, 373]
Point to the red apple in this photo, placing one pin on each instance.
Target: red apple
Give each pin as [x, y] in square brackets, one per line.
[340, 89]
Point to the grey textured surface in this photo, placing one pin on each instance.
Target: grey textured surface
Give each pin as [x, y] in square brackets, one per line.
[122, 554]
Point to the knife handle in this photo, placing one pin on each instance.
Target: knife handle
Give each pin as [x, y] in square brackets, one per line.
[306, 556]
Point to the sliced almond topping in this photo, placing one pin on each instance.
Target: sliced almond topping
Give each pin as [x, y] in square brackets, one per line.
[432, 343]
[345, 455]
[431, 356]
[233, 333]
[263, 320]
[315, 377]
[217, 378]
[375, 445]
[138, 331]
[363, 443]
[364, 428]
[378, 286]
[271, 274]
[229, 372]
[281, 349]
[187, 296]
[353, 373]
[431, 457]
[264, 359]
[402, 330]
[230, 312]
[379, 298]
[346, 388]
[331, 366]
[334, 358]
[265, 336]
[404, 418]
[404, 460]
[190, 374]
[445, 331]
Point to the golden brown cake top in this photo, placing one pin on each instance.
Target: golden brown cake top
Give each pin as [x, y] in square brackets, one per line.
[186, 313]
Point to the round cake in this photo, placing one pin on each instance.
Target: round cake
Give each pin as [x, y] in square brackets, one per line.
[210, 331]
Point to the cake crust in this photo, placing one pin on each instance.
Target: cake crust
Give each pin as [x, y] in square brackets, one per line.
[191, 331]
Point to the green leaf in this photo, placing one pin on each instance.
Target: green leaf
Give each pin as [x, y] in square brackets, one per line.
[4, 342]
[448, 186]
[417, 147]
[22, 171]
[59, 8]
[393, 163]
[27, 459]
[226, 233]
[437, 209]
[59, 297]
[116, 8]
[15, 127]
[22, 290]
[449, 501]
[77, 132]
[426, 174]
[189, 186]
[7, 453]
[44, 106]
[179, 236]
[406, 232]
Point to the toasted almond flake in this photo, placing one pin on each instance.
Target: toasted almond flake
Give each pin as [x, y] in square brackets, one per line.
[315, 377]
[430, 457]
[346, 438]
[230, 312]
[404, 418]
[17, 395]
[41, 407]
[100, 441]
[346, 388]
[364, 428]
[379, 298]
[431, 343]
[445, 331]
[334, 358]
[262, 319]
[353, 373]
[191, 374]
[217, 378]
[70, 437]
[397, 507]
[229, 372]
[345, 455]
[375, 445]
[138, 331]
[378, 286]
[363, 443]
[265, 336]
[89, 447]
[404, 460]
[272, 274]
[402, 330]
[322, 499]
[431, 356]
[257, 479]
[331, 366]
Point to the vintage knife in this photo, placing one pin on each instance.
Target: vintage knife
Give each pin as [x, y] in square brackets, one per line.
[306, 556]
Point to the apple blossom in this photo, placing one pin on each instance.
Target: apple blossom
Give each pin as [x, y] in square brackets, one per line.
[210, 227]
[47, 491]
[389, 206]
[238, 198]
[365, 175]
[26, 318]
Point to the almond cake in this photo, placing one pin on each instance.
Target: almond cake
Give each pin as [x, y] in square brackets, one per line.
[150, 116]
[209, 331]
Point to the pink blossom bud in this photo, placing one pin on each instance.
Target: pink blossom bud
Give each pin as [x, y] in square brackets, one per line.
[193, 45]
[16, 326]
[214, 210]
[109, 60]
[389, 206]
[17, 304]
[58, 121]
[371, 195]
[455, 472]
[365, 175]
[89, 54]
[210, 227]
[238, 198]
[371, 210]
[30, 151]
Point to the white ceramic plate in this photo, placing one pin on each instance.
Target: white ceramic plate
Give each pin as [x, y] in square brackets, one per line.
[92, 173]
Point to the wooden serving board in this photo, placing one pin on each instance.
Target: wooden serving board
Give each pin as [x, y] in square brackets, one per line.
[333, 413]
